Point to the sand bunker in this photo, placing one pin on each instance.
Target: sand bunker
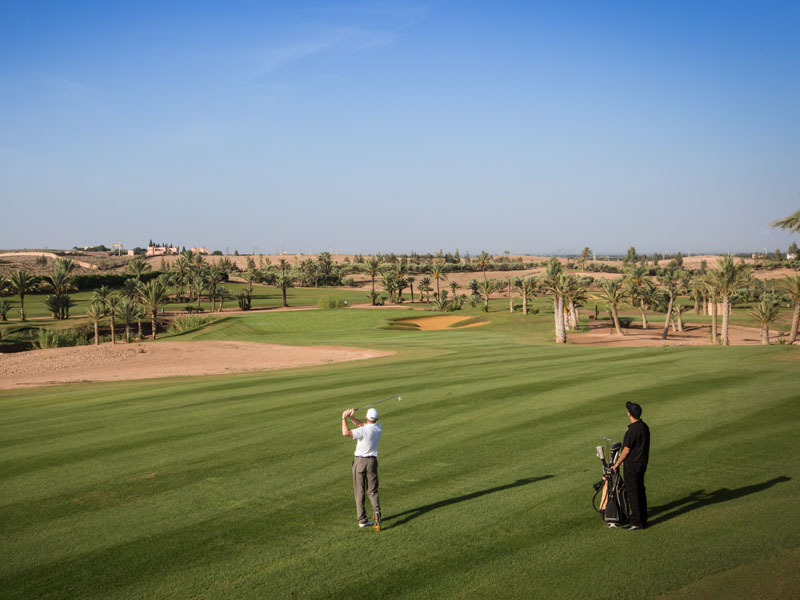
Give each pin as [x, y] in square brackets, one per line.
[604, 335]
[443, 322]
[117, 362]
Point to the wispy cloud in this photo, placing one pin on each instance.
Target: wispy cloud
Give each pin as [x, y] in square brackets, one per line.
[343, 40]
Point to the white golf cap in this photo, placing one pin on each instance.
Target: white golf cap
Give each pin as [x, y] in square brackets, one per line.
[372, 414]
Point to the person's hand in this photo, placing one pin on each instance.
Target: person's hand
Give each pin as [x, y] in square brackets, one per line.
[346, 414]
[351, 412]
[613, 468]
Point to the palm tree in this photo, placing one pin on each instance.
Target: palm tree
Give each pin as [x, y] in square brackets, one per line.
[283, 265]
[128, 312]
[372, 267]
[425, 286]
[104, 296]
[250, 277]
[112, 304]
[671, 280]
[213, 279]
[574, 297]
[613, 294]
[61, 284]
[710, 285]
[410, 279]
[5, 306]
[791, 287]
[130, 291]
[197, 285]
[153, 295]
[389, 283]
[792, 222]
[65, 264]
[223, 294]
[138, 267]
[526, 286]
[483, 261]
[182, 271]
[639, 288]
[486, 288]
[554, 281]
[96, 313]
[438, 274]
[22, 282]
[765, 312]
[584, 257]
[678, 311]
[284, 281]
[731, 278]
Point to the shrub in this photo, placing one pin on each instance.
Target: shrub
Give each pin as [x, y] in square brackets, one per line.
[244, 300]
[5, 306]
[330, 302]
[184, 324]
[47, 338]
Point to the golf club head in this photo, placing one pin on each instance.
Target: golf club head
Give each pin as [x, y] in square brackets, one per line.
[600, 453]
[616, 446]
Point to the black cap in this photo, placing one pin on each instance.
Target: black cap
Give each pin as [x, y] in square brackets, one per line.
[634, 409]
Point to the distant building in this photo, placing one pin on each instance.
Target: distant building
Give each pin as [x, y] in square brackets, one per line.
[791, 256]
[201, 251]
[131, 253]
[161, 250]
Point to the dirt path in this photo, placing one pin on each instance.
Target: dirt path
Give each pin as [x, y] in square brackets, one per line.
[118, 362]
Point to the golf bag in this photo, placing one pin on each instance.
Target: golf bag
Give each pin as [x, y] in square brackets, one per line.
[613, 507]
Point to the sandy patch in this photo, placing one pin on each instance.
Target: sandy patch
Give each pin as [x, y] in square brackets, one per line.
[118, 362]
[603, 334]
[443, 322]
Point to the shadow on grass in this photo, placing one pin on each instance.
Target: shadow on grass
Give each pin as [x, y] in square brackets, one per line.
[701, 498]
[406, 516]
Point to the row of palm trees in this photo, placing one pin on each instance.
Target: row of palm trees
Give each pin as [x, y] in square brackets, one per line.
[644, 293]
[132, 303]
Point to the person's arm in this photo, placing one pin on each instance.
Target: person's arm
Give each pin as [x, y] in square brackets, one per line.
[345, 429]
[623, 455]
[356, 422]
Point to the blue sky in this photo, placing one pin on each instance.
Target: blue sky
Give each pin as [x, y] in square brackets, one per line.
[535, 127]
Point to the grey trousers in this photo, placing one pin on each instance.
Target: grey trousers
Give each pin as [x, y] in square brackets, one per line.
[365, 474]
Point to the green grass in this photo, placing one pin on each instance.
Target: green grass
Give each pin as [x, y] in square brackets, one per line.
[239, 486]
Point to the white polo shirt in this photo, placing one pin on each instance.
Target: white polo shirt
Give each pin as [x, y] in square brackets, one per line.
[367, 437]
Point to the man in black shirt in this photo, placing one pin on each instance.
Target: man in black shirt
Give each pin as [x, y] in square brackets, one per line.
[635, 454]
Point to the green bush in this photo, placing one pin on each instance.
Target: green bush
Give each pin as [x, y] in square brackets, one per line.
[184, 324]
[330, 302]
[60, 339]
[244, 299]
[5, 307]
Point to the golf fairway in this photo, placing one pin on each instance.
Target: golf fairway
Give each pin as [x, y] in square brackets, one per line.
[239, 486]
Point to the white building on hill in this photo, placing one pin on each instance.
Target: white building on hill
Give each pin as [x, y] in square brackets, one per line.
[161, 250]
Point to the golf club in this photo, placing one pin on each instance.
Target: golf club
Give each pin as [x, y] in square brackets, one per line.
[379, 401]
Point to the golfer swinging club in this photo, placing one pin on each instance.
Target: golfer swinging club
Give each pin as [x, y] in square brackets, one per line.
[365, 463]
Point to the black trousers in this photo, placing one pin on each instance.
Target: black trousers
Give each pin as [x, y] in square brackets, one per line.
[637, 494]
